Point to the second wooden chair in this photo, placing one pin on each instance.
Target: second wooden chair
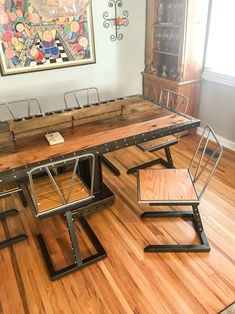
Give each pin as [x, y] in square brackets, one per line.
[172, 101]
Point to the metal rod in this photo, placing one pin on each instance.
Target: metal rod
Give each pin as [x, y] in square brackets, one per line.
[75, 96]
[10, 111]
[74, 93]
[55, 185]
[72, 180]
[28, 108]
[218, 150]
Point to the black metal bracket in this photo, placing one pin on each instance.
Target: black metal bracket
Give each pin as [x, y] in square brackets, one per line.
[79, 263]
[168, 163]
[15, 239]
[192, 215]
[110, 165]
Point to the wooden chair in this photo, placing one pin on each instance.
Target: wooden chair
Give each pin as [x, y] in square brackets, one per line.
[57, 188]
[6, 190]
[84, 97]
[181, 187]
[173, 101]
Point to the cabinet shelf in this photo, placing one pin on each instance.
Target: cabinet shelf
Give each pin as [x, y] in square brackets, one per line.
[170, 25]
[175, 39]
[165, 79]
[165, 52]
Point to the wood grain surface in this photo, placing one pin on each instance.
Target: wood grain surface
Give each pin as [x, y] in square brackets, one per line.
[128, 280]
[166, 185]
[159, 142]
[143, 117]
[46, 195]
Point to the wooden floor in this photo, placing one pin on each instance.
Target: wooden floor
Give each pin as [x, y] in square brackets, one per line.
[128, 280]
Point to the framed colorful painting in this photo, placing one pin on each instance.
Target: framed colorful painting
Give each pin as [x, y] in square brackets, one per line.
[30, 42]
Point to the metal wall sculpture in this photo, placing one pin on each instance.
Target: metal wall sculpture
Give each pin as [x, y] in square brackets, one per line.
[116, 20]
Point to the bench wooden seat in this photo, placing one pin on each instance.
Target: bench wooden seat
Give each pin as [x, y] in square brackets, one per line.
[158, 143]
[164, 185]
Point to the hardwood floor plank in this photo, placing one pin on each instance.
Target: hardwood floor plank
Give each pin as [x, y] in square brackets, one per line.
[128, 280]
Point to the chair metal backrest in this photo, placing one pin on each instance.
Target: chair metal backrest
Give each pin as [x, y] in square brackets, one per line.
[173, 101]
[78, 96]
[29, 104]
[205, 159]
[47, 168]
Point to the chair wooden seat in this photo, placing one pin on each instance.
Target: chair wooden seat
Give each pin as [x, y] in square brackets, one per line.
[158, 143]
[46, 195]
[164, 185]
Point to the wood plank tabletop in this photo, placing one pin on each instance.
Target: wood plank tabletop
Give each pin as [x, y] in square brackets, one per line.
[144, 117]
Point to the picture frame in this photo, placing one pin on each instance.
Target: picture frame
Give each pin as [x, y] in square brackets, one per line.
[30, 42]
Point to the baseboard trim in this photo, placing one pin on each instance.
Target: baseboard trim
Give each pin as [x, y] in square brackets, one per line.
[225, 142]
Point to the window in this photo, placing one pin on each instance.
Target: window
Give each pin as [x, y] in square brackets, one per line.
[220, 54]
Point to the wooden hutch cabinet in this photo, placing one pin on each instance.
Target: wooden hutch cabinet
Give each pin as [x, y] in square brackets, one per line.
[175, 40]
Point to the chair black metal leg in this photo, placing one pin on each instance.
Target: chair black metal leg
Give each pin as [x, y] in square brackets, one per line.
[194, 216]
[170, 163]
[15, 239]
[110, 165]
[78, 261]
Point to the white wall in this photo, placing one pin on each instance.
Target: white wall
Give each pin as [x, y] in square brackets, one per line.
[217, 108]
[116, 72]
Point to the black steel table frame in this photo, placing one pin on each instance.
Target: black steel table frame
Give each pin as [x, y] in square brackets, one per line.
[110, 165]
[21, 172]
[168, 163]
